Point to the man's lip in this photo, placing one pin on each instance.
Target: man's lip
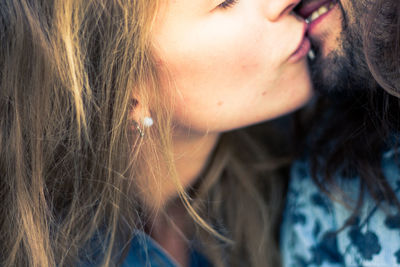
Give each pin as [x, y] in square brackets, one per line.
[315, 23]
[306, 9]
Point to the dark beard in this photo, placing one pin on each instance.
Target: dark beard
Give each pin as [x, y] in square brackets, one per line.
[356, 119]
[344, 71]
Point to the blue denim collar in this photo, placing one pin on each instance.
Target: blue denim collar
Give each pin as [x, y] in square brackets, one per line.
[144, 251]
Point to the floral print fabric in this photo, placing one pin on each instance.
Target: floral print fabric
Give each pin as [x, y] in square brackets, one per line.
[312, 233]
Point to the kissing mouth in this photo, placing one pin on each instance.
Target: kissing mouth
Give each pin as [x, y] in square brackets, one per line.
[312, 10]
[316, 14]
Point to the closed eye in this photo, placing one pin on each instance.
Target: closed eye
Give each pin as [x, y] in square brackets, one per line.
[228, 3]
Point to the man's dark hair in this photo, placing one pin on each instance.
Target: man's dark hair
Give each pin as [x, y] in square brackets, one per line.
[360, 124]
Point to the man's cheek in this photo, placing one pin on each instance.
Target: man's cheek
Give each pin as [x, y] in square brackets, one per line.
[330, 38]
[332, 44]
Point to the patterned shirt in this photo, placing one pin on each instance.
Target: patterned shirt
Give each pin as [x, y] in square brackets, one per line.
[312, 234]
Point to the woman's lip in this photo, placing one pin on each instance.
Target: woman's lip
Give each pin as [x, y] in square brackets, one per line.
[301, 51]
[303, 47]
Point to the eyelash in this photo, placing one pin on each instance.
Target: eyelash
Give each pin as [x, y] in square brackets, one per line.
[228, 3]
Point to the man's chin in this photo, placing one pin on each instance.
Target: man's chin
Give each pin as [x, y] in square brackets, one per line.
[342, 70]
[340, 65]
[329, 73]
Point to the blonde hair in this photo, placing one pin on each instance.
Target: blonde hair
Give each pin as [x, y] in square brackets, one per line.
[69, 156]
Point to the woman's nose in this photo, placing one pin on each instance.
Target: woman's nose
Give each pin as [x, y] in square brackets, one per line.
[275, 9]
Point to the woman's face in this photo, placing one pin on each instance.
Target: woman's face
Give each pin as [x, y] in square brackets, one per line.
[230, 63]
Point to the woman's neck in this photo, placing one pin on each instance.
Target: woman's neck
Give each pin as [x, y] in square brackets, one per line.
[172, 229]
[191, 155]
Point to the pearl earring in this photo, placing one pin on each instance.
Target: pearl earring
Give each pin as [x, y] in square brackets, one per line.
[146, 122]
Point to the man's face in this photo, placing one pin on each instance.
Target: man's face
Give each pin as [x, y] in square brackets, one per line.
[335, 30]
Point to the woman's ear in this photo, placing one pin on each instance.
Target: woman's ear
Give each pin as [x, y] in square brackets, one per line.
[140, 116]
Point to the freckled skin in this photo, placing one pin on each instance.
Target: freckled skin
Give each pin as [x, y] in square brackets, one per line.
[238, 56]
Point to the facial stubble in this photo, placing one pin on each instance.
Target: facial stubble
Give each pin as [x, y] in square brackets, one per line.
[344, 70]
